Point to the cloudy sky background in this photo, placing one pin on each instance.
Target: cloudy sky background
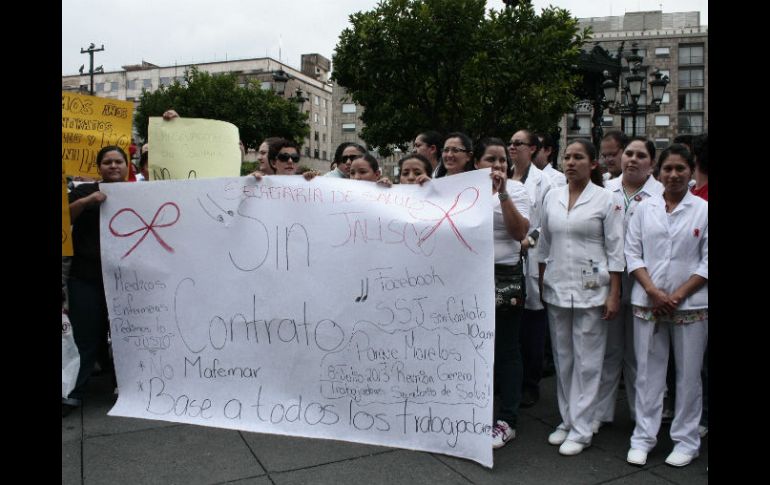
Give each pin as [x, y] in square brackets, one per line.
[168, 32]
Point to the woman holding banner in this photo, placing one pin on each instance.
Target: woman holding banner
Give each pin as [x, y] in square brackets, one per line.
[510, 223]
[87, 305]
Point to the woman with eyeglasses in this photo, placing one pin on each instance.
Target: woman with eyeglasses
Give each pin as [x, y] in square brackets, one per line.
[87, 305]
[581, 262]
[457, 155]
[523, 148]
[344, 155]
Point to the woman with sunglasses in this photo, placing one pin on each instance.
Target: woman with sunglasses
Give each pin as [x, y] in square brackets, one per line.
[283, 157]
[523, 148]
[344, 155]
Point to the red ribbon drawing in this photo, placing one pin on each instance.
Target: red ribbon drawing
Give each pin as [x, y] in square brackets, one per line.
[147, 228]
[448, 217]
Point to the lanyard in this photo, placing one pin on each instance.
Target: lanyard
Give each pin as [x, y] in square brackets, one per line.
[627, 198]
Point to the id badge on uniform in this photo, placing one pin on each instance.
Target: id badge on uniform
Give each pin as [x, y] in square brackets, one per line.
[590, 276]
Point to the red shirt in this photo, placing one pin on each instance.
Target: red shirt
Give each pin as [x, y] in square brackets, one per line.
[702, 192]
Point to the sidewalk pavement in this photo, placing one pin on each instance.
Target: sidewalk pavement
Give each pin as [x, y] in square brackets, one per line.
[101, 449]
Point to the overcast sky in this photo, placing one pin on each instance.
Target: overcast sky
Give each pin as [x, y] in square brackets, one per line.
[165, 32]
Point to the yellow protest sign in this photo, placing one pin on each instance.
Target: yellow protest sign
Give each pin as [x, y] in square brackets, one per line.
[89, 123]
[193, 148]
[66, 229]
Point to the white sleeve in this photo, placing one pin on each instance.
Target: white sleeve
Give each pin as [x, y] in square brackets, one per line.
[544, 242]
[703, 266]
[634, 249]
[613, 234]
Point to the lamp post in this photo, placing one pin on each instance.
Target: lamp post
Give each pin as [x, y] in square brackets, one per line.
[280, 78]
[630, 94]
[91, 49]
[593, 66]
[299, 98]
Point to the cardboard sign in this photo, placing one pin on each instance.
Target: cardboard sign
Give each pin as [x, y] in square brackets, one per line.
[193, 148]
[89, 123]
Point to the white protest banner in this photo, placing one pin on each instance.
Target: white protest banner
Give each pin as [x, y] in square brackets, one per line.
[331, 308]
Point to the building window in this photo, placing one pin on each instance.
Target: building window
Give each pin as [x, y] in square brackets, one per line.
[307, 151]
[661, 143]
[115, 85]
[165, 81]
[690, 54]
[147, 83]
[690, 101]
[266, 86]
[324, 120]
[662, 52]
[641, 124]
[316, 101]
[132, 83]
[348, 108]
[324, 137]
[99, 87]
[315, 137]
[315, 117]
[324, 155]
[691, 78]
[691, 124]
[315, 153]
[666, 98]
[661, 120]
[608, 120]
[348, 127]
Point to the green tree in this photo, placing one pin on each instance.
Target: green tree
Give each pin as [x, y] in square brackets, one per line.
[257, 113]
[443, 64]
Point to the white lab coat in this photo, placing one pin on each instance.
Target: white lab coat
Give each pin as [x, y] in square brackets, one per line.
[557, 178]
[672, 247]
[538, 184]
[589, 235]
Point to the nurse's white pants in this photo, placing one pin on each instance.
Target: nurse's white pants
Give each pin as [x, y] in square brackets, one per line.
[651, 345]
[578, 337]
[618, 356]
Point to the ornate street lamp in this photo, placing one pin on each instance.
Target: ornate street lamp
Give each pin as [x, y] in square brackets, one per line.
[632, 91]
[280, 78]
[299, 98]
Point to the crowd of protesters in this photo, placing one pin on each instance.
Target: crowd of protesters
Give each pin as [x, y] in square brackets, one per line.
[611, 245]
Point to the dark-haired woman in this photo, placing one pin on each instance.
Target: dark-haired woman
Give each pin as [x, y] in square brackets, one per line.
[667, 254]
[581, 263]
[87, 305]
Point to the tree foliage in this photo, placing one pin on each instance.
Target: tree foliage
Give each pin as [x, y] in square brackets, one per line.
[257, 113]
[445, 65]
